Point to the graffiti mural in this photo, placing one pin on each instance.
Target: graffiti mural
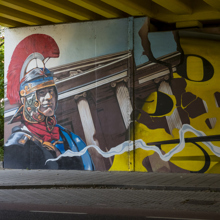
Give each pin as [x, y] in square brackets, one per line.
[60, 104]
[147, 104]
[39, 137]
[176, 106]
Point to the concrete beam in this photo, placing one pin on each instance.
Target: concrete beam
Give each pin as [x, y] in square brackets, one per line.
[68, 8]
[100, 8]
[124, 6]
[176, 6]
[213, 3]
[20, 16]
[145, 7]
[188, 24]
[9, 23]
[36, 10]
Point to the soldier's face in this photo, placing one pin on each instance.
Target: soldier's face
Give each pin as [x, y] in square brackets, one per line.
[47, 99]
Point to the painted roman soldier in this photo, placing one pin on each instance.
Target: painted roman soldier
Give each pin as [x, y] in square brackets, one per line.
[39, 137]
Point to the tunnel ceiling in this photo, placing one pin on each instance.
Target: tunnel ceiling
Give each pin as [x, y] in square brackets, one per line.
[183, 13]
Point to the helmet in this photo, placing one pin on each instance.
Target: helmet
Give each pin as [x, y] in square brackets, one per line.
[37, 78]
[29, 83]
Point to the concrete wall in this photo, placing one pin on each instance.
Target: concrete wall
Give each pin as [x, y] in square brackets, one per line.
[139, 100]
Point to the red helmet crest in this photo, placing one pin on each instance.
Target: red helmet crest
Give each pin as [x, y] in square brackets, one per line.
[39, 43]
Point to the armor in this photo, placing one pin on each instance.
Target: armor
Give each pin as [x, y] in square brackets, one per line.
[23, 150]
[39, 138]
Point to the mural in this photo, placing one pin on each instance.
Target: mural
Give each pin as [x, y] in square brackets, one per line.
[39, 137]
[176, 111]
[151, 106]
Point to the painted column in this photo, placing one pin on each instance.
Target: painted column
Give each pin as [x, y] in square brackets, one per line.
[124, 102]
[89, 130]
[174, 120]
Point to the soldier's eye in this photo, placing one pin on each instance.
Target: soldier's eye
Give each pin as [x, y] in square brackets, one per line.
[41, 93]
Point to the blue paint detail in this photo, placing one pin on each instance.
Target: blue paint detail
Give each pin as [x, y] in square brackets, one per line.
[75, 147]
[138, 49]
[38, 79]
[88, 165]
[162, 43]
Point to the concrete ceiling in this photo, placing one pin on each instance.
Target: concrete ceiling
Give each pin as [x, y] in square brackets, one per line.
[183, 13]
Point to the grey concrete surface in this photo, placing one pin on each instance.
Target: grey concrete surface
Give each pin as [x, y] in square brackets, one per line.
[128, 193]
[138, 202]
[12, 179]
[126, 198]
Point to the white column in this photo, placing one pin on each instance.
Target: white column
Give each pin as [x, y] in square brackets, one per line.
[124, 102]
[87, 122]
[173, 120]
[89, 131]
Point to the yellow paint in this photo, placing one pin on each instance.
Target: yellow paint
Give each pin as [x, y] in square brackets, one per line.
[186, 24]
[191, 157]
[125, 162]
[213, 3]
[19, 16]
[176, 6]
[144, 7]
[215, 168]
[200, 14]
[195, 68]
[123, 6]
[99, 7]
[15, 18]
[66, 8]
[9, 23]
[172, 11]
[151, 103]
[34, 9]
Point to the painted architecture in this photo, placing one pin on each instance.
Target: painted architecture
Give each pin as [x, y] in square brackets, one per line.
[113, 95]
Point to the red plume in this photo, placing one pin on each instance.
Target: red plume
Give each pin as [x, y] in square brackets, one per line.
[40, 43]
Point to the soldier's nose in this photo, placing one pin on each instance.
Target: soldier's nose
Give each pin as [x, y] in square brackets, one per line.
[48, 96]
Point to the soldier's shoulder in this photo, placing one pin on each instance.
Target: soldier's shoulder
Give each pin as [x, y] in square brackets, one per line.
[75, 137]
[18, 137]
[62, 129]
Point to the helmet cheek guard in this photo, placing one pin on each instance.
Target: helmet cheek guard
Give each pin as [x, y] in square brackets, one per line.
[31, 107]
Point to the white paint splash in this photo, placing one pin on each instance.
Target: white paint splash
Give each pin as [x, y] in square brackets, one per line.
[129, 146]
